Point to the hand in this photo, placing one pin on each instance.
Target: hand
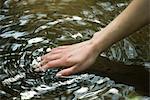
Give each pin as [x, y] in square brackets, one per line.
[73, 58]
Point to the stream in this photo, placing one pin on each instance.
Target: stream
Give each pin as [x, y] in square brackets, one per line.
[29, 27]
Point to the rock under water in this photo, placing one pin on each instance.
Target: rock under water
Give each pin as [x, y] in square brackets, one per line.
[29, 27]
[27, 84]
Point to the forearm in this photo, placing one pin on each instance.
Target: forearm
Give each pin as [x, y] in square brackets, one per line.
[135, 16]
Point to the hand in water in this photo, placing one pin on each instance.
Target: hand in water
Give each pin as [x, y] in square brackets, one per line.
[73, 58]
[78, 57]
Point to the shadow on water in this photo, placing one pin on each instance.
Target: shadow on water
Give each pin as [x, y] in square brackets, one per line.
[28, 27]
[133, 75]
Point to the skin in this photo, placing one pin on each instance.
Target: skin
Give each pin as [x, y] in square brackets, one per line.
[78, 57]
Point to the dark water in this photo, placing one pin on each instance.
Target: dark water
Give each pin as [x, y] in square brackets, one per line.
[28, 27]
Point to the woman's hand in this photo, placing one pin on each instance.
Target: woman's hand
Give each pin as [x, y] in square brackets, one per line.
[73, 58]
[78, 57]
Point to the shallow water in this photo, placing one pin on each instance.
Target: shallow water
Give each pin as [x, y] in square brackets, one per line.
[28, 27]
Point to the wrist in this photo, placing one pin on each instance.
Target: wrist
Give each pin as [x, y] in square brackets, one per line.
[95, 44]
[102, 40]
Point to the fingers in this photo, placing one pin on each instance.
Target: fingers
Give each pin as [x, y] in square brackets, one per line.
[54, 63]
[55, 51]
[50, 58]
[46, 56]
[72, 70]
[68, 71]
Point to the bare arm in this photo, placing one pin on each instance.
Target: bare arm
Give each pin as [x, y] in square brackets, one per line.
[78, 57]
[135, 16]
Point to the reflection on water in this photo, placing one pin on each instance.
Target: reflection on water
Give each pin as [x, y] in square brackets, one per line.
[28, 27]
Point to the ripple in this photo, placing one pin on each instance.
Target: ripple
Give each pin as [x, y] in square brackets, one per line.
[14, 34]
[35, 40]
[29, 27]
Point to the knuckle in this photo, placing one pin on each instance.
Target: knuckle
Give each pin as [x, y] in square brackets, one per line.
[48, 64]
[66, 60]
[43, 57]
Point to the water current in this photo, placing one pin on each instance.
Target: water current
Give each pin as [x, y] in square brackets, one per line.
[29, 27]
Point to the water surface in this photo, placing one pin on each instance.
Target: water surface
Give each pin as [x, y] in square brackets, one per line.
[28, 27]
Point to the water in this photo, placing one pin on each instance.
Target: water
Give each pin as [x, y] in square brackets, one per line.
[28, 27]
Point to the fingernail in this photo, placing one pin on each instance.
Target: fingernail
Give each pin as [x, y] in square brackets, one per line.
[37, 70]
[34, 66]
[43, 70]
[39, 59]
[38, 65]
[58, 75]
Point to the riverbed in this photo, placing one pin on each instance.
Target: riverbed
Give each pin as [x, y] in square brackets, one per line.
[29, 27]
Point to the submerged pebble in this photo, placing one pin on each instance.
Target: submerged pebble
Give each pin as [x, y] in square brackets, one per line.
[113, 90]
[76, 18]
[35, 40]
[48, 50]
[27, 95]
[28, 31]
[77, 35]
[82, 90]
[13, 79]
